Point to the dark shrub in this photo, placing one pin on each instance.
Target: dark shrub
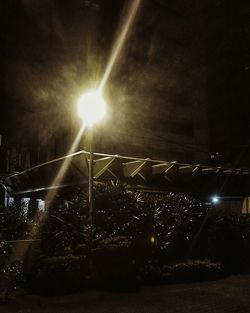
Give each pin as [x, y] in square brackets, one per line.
[189, 271]
[131, 230]
[115, 264]
[197, 270]
[60, 274]
[226, 238]
[11, 277]
[120, 212]
[63, 264]
[11, 274]
[13, 224]
[65, 231]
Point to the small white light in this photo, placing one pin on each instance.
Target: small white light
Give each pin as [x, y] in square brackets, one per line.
[215, 199]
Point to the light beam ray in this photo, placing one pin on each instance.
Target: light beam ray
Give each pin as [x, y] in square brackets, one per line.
[120, 41]
[57, 180]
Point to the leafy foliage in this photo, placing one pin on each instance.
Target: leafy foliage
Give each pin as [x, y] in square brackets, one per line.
[13, 222]
[112, 243]
[129, 229]
[177, 219]
[63, 264]
[117, 210]
[121, 212]
[65, 231]
[132, 230]
[11, 275]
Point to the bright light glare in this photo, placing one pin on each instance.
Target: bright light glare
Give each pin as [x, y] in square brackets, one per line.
[215, 199]
[91, 107]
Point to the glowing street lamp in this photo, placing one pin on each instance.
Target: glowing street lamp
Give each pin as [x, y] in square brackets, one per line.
[91, 109]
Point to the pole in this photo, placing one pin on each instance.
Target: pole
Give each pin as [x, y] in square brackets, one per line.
[91, 176]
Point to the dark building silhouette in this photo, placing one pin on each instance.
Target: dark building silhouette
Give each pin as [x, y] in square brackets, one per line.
[161, 84]
[228, 33]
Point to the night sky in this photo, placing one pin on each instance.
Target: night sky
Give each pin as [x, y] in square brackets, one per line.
[52, 50]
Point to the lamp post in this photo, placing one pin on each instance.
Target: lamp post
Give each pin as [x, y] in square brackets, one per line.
[91, 108]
